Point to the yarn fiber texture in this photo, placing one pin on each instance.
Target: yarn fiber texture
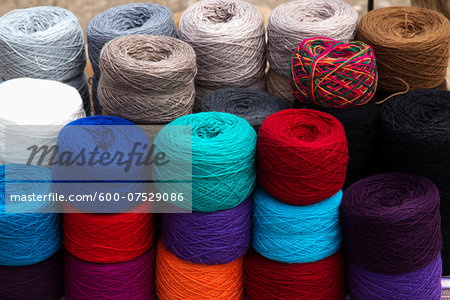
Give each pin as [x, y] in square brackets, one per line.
[361, 129]
[43, 280]
[220, 147]
[108, 238]
[104, 134]
[333, 74]
[302, 156]
[34, 103]
[252, 105]
[411, 45]
[27, 238]
[279, 86]
[267, 279]
[132, 279]
[44, 42]
[128, 19]
[179, 280]
[209, 237]
[391, 222]
[292, 22]
[228, 37]
[295, 234]
[147, 79]
[424, 283]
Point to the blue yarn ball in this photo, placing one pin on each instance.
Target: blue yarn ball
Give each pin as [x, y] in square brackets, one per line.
[26, 238]
[221, 149]
[109, 135]
[295, 234]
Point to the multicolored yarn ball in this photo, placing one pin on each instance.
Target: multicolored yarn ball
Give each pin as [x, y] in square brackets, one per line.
[330, 73]
[302, 156]
[209, 238]
[295, 234]
[267, 279]
[132, 279]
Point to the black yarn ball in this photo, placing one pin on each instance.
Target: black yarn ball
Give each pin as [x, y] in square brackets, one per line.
[361, 129]
[252, 105]
[415, 138]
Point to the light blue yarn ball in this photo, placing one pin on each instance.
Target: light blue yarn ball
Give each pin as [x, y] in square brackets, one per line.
[295, 234]
[220, 147]
[27, 238]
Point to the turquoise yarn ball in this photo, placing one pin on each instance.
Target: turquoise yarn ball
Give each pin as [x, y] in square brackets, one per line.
[295, 234]
[221, 147]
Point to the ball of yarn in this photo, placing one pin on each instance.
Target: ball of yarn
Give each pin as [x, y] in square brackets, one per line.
[108, 238]
[252, 105]
[411, 45]
[179, 280]
[295, 234]
[391, 222]
[147, 79]
[292, 22]
[221, 149]
[132, 279]
[36, 109]
[128, 19]
[267, 279]
[27, 238]
[209, 237]
[279, 86]
[43, 280]
[228, 37]
[361, 129]
[302, 156]
[108, 136]
[44, 42]
[333, 74]
[424, 283]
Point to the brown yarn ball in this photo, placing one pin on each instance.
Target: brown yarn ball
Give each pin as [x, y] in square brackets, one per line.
[147, 79]
[411, 46]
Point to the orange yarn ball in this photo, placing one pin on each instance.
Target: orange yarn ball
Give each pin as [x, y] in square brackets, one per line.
[179, 279]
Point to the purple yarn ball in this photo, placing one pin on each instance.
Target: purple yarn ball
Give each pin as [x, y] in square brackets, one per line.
[209, 237]
[422, 284]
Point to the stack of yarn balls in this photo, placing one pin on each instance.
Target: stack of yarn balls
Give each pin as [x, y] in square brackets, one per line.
[252, 105]
[391, 225]
[109, 254]
[414, 138]
[44, 42]
[128, 19]
[291, 23]
[341, 79]
[302, 158]
[228, 37]
[27, 121]
[411, 45]
[201, 253]
[30, 240]
[147, 79]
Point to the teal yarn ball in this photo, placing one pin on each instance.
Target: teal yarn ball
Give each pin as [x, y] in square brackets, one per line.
[29, 237]
[221, 147]
[295, 234]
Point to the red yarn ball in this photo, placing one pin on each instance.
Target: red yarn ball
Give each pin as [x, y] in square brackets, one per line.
[108, 238]
[333, 74]
[267, 279]
[302, 156]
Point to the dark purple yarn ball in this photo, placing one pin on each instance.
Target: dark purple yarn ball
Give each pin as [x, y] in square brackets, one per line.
[422, 284]
[209, 237]
[43, 280]
[391, 222]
